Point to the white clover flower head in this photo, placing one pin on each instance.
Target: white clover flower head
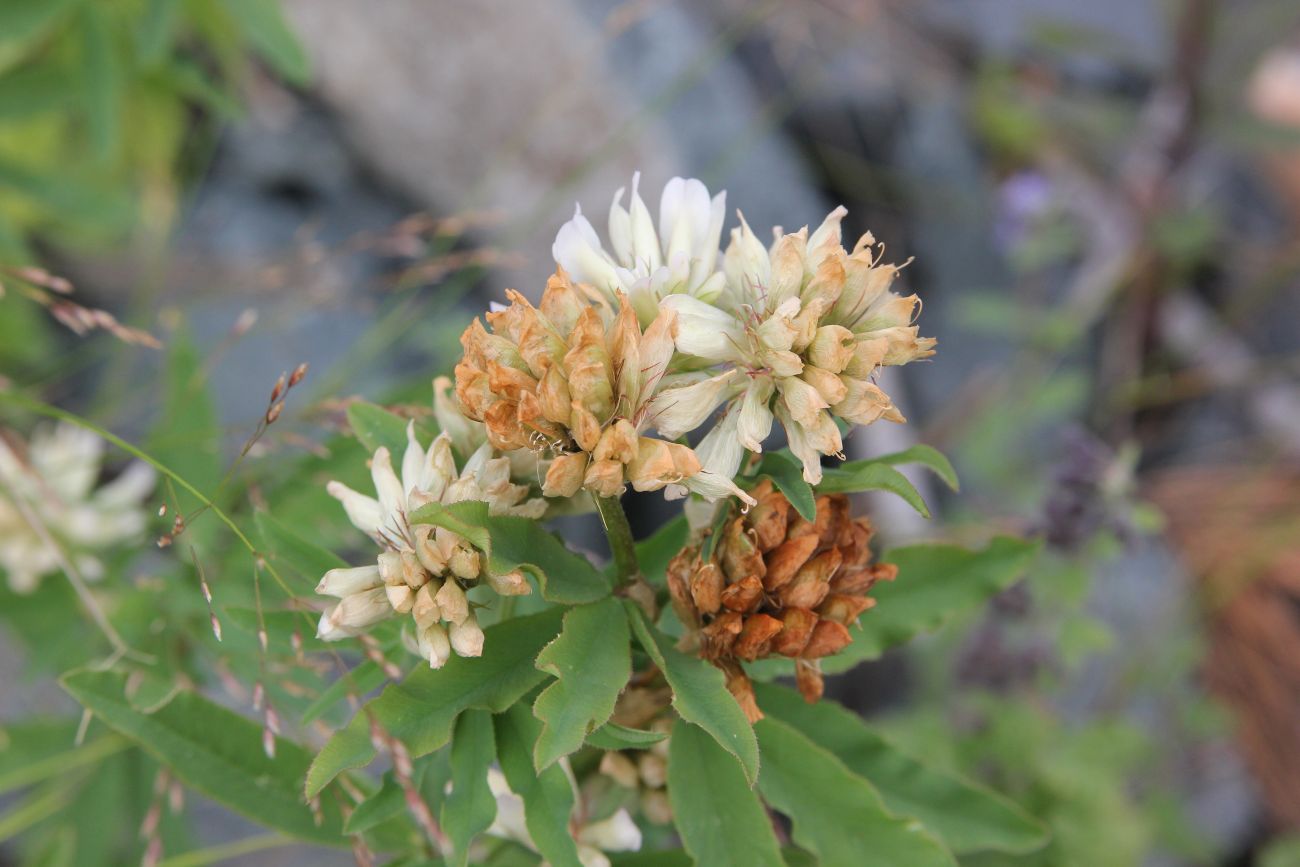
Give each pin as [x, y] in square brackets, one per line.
[51, 512]
[423, 570]
[647, 266]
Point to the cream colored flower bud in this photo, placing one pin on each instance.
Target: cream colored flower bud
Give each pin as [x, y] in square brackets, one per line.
[345, 582]
[511, 583]
[390, 568]
[653, 770]
[355, 612]
[464, 563]
[564, 476]
[466, 637]
[802, 399]
[828, 385]
[401, 597]
[604, 478]
[452, 602]
[425, 609]
[433, 644]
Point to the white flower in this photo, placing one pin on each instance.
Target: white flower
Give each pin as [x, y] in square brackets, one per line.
[423, 570]
[682, 257]
[51, 513]
[616, 833]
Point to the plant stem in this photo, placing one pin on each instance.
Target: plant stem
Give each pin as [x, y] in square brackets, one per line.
[619, 533]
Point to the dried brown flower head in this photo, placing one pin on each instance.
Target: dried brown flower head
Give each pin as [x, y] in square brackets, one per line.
[776, 583]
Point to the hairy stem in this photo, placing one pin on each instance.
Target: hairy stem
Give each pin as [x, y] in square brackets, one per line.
[619, 533]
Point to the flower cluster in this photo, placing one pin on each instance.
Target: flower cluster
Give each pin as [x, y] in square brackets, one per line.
[579, 379]
[51, 513]
[776, 583]
[424, 570]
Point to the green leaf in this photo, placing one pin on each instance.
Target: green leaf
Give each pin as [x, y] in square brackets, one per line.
[376, 426]
[521, 543]
[386, 803]
[271, 37]
[718, 815]
[23, 20]
[32, 751]
[871, 475]
[967, 817]
[548, 797]
[470, 806]
[934, 583]
[187, 437]
[280, 627]
[836, 815]
[592, 661]
[612, 736]
[927, 456]
[422, 709]
[216, 751]
[101, 83]
[284, 547]
[787, 475]
[700, 694]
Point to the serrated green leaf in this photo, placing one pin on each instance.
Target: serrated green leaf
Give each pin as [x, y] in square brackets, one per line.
[720, 818]
[548, 797]
[470, 806]
[966, 816]
[422, 709]
[612, 736]
[870, 475]
[375, 426]
[699, 694]
[934, 583]
[787, 475]
[216, 751]
[836, 815]
[521, 543]
[271, 37]
[927, 456]
[591, 660]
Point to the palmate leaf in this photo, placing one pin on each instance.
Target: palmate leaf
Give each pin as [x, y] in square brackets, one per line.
[934, 583]
[965, 816]
[521, 543]
[837, 815]
[592, 661]
[787, 475]
[216, 751]
[699, 693]
[422, 709]
[548, 796]
[470, 806]
[720, 818]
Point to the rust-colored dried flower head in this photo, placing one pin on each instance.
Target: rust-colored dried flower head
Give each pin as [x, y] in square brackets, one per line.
[578, 380]
[776, 583]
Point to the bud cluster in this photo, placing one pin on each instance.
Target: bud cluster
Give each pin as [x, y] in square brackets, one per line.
[777, 584]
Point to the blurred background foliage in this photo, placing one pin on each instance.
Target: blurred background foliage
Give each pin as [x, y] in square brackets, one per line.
[1103, 207]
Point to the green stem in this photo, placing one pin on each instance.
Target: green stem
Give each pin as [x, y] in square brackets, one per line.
[621, 543]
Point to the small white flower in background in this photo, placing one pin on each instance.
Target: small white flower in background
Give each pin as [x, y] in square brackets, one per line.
[682, 257]
[52, 513]
[423, 570]
[616, 833]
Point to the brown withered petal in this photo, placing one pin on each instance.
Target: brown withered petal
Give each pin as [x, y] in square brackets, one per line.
[796, 628]
[812, 582]
[720, 635]
[707, 587]
[744, 595]
[828, 637]
[679, 574]
[808, 678]
[740, 554]
[604, 478]
[756, 636]
[787, 559]
[862, 578]
[844, 607]
[769, 517]
[742, 688]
